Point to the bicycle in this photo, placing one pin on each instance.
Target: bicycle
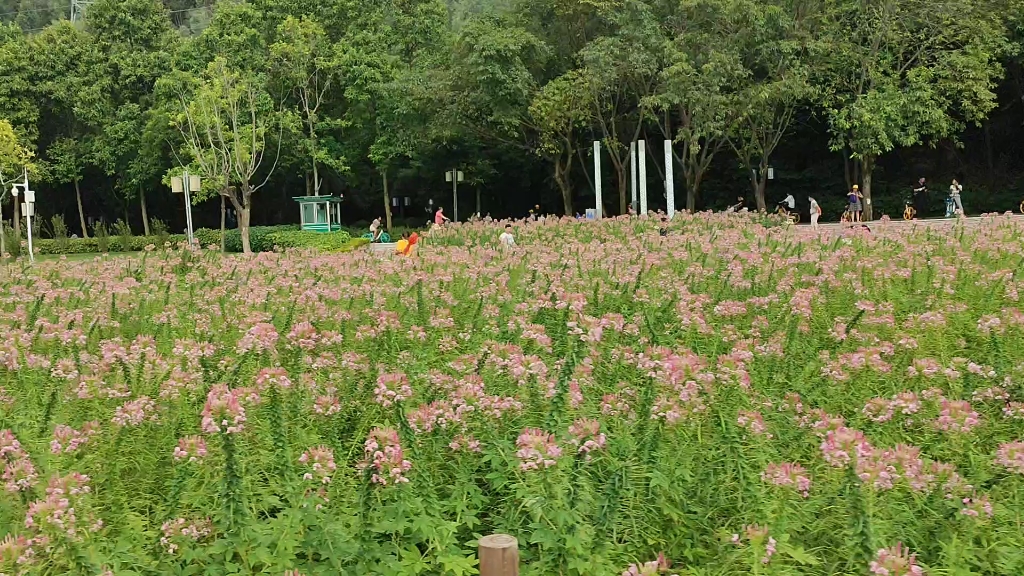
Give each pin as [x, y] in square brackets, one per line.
[846, 216]
[909, 212]
[1022, 206]
[384, 237]
[792, 216]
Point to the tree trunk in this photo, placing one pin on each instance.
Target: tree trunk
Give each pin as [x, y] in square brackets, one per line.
[387, 202]
[561, 178]
[81, 211]
[145, 215]
[243, 227]
[623, 182]
[3, 239]
[759, 188]
[223, 224]
[867, 165]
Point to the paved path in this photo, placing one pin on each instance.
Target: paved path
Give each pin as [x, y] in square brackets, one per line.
[969, 221]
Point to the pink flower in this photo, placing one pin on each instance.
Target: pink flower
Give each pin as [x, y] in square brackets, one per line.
[384, 457]
[752, 421]
[191, 447]
[273, 377]
[181, 530]
[788, 474]
[321, 464]
[261, 338]
[391, 388]
[135, 412]
[1011, 456]
[537, 449]
[956, 416]
[223, 411]
[896, 561]
[587, 435]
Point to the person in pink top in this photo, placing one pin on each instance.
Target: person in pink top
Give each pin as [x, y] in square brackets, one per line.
[439, 217]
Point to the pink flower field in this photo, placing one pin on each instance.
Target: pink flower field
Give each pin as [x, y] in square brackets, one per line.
[729, 399]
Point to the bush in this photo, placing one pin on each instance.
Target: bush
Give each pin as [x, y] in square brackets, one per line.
[124, 234]
[159, 229]
[99, 232]
[325, 241]
[60, 231]
[233, 238]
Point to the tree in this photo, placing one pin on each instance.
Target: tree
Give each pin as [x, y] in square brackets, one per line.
[774, 86]
[904, 72]
[558, 111]
[224, 125]
[697, 88]
[305, 65]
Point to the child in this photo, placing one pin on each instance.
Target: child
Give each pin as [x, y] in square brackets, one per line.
[375, 230]
[506, 239]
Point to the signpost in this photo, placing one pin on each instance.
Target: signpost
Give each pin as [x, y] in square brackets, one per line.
[597, 178]
[28, 207]
[187, 183]
[454, 176]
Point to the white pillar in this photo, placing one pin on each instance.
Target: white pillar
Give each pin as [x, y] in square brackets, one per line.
[597, 178]
[632, 174]
[642, 156]
[670, 192]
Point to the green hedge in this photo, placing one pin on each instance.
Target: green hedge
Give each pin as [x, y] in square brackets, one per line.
[262, 239]
[327, 242]
[258, 237]
[91, 245]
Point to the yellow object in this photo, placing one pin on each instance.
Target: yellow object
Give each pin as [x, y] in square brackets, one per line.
[401, 246]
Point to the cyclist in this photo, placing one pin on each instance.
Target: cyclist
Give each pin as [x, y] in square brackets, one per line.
[787, 204]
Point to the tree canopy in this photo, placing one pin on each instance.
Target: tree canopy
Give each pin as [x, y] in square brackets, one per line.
[374, 100]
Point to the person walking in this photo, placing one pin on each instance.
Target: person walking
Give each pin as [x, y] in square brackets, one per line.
[815, 212]
[855, 205]
[954, 192]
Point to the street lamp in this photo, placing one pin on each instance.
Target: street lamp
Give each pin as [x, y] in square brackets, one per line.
[187, 183]
[28, 207]
[454, 176]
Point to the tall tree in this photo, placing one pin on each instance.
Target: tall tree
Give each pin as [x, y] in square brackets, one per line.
[558, 112]
[773, 88]
[305, 64]
[224, 124]
[14, 159]
[904, 72]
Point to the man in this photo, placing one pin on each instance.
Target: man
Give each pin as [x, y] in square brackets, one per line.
[789, 202]
[375, 230]
[439, 217]
[815, 212]
[506, 240]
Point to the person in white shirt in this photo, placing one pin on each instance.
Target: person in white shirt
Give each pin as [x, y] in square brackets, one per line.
[507, 240]
[815, 212]
[790, 202]
[375, 230]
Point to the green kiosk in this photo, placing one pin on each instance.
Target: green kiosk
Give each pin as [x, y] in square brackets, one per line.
[320, 213]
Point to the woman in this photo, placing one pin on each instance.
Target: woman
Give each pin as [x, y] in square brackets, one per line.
[815, 213]
[855, 206]
[954, 192]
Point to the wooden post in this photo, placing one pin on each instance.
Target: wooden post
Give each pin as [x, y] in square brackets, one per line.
[499, 555]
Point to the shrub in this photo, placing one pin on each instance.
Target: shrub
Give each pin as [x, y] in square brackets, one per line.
[60, 232]
[159, 228]
[233, 238]
[99, 232]
[325, 241]
[124, 233]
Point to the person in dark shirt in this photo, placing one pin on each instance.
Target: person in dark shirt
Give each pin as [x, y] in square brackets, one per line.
[919, 197]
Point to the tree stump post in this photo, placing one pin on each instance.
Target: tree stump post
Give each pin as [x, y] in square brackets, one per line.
[499, 555]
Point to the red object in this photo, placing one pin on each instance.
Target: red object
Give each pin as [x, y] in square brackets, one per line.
[413, 239]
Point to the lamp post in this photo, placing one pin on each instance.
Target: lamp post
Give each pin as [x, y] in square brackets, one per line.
[28, 207]
[187, 183]
[454, 176]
